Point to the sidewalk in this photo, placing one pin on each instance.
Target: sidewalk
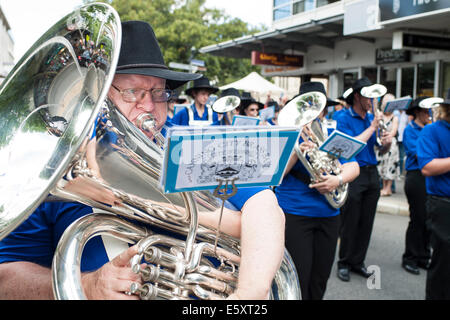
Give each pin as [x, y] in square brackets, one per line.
[395, 204]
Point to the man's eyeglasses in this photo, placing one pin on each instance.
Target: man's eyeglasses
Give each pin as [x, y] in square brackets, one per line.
[138, 94]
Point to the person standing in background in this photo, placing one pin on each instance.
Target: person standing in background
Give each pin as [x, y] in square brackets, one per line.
[433, 154]
[417, 239]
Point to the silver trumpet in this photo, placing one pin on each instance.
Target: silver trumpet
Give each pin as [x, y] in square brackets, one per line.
[303, 112]
[61, 136]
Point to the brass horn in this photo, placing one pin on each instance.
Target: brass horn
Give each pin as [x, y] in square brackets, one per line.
[373, 92]
[303, 112]
[60, 135]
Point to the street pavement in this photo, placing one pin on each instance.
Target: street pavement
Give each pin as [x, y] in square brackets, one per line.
[384, 256]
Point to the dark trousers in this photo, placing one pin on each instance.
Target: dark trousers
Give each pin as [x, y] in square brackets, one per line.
[358, 214]
[312, 245]
[438, 276]
[417, 239]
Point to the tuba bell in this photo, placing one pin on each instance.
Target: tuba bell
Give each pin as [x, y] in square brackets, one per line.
[374, 92]
[303, 111]
[63, 140]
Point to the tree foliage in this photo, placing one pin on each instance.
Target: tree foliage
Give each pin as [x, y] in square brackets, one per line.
[183, 25]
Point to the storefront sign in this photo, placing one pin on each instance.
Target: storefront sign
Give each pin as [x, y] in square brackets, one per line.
[276, 59]
[391, 56]
[404, 40]
[394, 9]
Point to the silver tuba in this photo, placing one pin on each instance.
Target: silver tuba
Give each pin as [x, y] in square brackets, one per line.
[63, 140]
[303, 111]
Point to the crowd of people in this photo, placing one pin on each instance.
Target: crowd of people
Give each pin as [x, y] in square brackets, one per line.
[295, 214]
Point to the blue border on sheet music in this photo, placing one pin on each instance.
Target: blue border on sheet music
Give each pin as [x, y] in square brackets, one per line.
[338, 133]
[255, 120]
[168, 180]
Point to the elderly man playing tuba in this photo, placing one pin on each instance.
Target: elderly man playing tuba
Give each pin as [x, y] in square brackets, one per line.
[141, 85]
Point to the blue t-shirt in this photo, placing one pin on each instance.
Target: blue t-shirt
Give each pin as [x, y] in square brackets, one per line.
[410, 137]
[434, 142]
[181, 118]
[296, 197]
[243, 194]
[349, 122]
[35, 240]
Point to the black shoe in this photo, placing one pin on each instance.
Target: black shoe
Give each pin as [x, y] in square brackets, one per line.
[424, 265]
[362, 271]
[343, 274]
[411, 268]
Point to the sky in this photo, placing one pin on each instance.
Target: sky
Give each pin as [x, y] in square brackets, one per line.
[29, 19]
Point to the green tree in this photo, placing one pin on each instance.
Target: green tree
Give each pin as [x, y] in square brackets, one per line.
[184, 26]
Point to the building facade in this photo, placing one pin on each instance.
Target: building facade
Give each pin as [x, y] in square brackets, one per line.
[6, 47]
[403, 44]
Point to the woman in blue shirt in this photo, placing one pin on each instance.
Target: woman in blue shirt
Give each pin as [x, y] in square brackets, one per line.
[417, 240]
[433, 154]
[312, 224]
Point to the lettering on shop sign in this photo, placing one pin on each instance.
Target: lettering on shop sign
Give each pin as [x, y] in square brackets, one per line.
[391, 56]
[276, 59]
[393, 9]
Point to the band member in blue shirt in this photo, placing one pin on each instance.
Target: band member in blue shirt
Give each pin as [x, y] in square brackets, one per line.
[417, 241]
[199, 113]
[312, 224]
[358, 212]
[26, 253]
[433, 154]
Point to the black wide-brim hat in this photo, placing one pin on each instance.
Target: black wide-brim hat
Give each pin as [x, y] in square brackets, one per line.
[140, 54]
[230, 92]
[414, 105]
[316, 86]
[201, 83]
[356, 87]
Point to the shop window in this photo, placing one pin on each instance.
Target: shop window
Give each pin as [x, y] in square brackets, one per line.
[407, 85]
[445, 79]
[349, 79]
[425, 79]
[371, 74]
[388, 78]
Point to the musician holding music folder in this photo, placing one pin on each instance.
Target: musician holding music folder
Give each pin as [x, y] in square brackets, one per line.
[358, 212]
[312, 224]
[433, 154]
[142, 85]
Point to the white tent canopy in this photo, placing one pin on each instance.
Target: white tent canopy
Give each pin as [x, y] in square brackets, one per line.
[254, 83]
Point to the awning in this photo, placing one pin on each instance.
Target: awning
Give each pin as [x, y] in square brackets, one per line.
[296, 38]
[253, 82]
